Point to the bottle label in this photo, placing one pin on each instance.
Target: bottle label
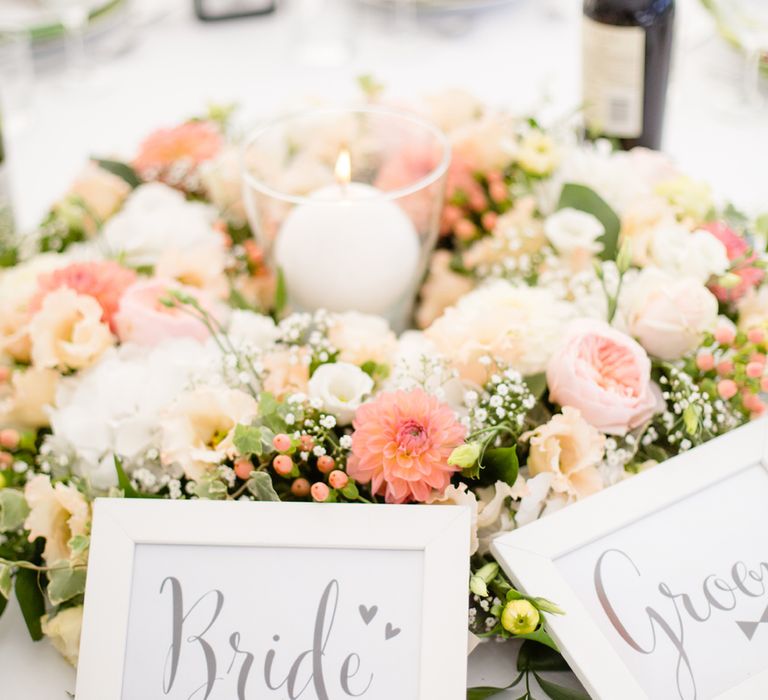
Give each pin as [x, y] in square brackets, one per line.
[613, 78]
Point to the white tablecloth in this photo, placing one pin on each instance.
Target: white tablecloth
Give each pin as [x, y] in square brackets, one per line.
[524, 56]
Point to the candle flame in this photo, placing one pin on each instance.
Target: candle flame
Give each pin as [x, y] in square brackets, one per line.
[343, 168]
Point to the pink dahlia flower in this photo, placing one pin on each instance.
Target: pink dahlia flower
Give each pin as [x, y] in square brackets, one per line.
[401, 444]
[193, 143]
[105, 281]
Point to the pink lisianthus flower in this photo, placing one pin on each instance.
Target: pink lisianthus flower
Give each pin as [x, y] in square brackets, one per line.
[105, 281]
[144, 319]
[742, 258]
[606, 375]
[191, 143]
[401, 444]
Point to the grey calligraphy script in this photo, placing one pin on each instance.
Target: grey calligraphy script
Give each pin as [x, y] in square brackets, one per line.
[309, 669]
[668, 619]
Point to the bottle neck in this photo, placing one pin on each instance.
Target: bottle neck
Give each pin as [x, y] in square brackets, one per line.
[629, 12]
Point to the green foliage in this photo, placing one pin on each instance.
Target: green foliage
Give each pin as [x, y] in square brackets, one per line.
[30, 596]
[281, 294]
[559, 692]
[247, 440]
[539, 657]
[587, 200]
[501, 464]
[13, 509]
[124, 483]
[122, 170]
[537, 384]
[65, 582]
[540, 636]
[210, 488]
[5, 581]
[260, 486]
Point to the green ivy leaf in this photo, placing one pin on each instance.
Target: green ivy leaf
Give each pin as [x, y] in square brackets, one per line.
[538, 657]
[559, 692]
[247, 440]
[585, 199]
[31, 601]
[211, 488]
[5, 581]
[13, 509]
[122, 170]
[501, 463]
[65, 582]
[260, 485]
[79, 544]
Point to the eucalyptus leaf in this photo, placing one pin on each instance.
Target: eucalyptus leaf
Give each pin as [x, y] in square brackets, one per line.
[559, 692]
[122, 170]
[5, 581]
[501, 463]
[260, 485]
[584, 199]
[31, 601]
[247, 440]
[13, 509]
[65, 582]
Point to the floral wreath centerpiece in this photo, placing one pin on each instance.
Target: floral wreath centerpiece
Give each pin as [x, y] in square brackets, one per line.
[586, 315]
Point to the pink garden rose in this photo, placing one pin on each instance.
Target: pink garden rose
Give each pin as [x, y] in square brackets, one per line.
[401, 444]
[145, 320]
[742, 257]
[604, 374]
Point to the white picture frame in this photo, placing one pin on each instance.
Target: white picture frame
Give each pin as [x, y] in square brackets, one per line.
[120, 525]
[529, 557]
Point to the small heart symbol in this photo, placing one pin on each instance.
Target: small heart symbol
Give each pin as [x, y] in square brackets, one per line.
[391, 632]
[368, 613]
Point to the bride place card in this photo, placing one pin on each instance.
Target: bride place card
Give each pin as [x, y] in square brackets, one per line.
[205, 600]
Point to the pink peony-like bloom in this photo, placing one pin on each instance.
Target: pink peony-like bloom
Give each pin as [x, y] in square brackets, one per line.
[145, 320]
[742, 257]
[605, 374]
[193, 143]
[401, 444]
[105, 281]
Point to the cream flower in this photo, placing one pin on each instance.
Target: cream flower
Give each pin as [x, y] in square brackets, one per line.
[57, 514]
[753, 309]
[574, 234]
[461, 496]
[640, 221]
[519, 325]
[341, 387]
[223, 180]
[67, 331]
[287, 371]
[442, 289]
[247, 328]
[484, 145]
[667, 314]
[453, 108]
[100, 191]
[538, 154]
[199, 427]
[18, 286]
[680, 252]
[64, 632]
[198, 267]
[362, 338]
[494, 511]
[570, 448]
[32, 393]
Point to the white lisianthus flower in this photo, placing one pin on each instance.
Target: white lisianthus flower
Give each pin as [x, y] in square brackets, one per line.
[538, 154]
[64, 632]
[114, 407]
[247, 328]
[678, 251]
[362, 338]
[668, 314]
[57, 514]
[67, 331]
[198, 429]
[157, 218]
[519, 325]
[341, 387]
[461, 496]
[494, 510]
[574, 232]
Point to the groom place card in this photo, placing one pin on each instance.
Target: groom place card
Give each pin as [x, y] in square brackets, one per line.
[664, 577]
[204, 600]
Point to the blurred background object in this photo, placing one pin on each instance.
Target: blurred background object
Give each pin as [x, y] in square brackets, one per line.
[216, 10]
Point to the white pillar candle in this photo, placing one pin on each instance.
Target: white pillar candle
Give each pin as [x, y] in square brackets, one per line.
[348, 248]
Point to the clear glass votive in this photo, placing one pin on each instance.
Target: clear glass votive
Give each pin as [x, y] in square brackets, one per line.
[346, 204]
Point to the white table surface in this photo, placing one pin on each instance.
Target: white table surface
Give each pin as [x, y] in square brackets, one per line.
[524, 56]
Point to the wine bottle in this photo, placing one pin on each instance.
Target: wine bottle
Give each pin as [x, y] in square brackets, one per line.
[627, 47]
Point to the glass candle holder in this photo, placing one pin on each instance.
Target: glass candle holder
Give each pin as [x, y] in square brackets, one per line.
[346, 203]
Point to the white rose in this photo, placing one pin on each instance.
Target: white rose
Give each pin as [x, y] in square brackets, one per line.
[341, 387]
[668, 314]
[67, 331]
[252, 329]
[680, 252]
[362, 338]
[574, 232]
[157, 218]
[64, 632]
